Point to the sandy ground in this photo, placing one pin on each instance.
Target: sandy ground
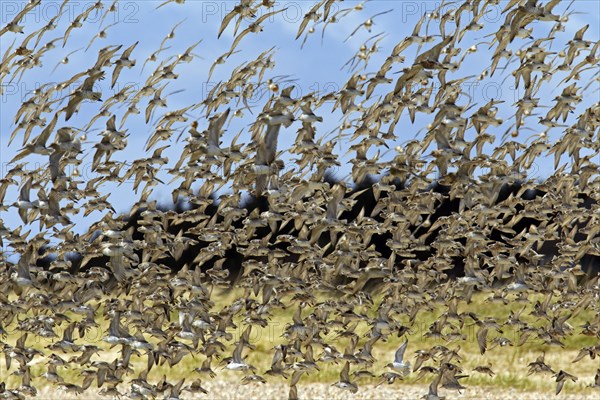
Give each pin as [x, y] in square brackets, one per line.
[233, 390]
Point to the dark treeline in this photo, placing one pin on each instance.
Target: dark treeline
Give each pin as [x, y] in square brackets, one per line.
[365, 205]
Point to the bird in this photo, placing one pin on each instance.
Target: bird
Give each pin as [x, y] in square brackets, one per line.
[23, 275]
[214, 134]
[254, 27]
[596, 383]
[65, 59]
[264, 225]
[164, 3]
[485, 369]
[399, 364]
[539, 366]
[100, 35]
[368, 24]
[432, 393]
[13, 25]
[344, 382]
[311, 15]
[561, 378]
[84, 92]
[237, 363]
[24, 203]
[122, 62]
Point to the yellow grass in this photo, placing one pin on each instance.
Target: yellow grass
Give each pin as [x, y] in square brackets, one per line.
[509, 363]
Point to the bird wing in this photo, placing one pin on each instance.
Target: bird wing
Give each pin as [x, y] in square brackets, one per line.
[482, 339]
[344, 372]
[129, 50]
[215, 127]
[226, 20]
[238, 38]
[296, 377]
[307, 18]
[400, 352]
[237, 353]
[271, 142]
[25, 189]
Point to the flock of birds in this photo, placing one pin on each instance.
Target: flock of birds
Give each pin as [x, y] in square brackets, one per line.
[298, 253]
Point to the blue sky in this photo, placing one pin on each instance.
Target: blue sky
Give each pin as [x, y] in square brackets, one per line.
[316, 67]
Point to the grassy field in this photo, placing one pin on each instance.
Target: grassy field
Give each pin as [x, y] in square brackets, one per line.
[229, 390]
[510, 363]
